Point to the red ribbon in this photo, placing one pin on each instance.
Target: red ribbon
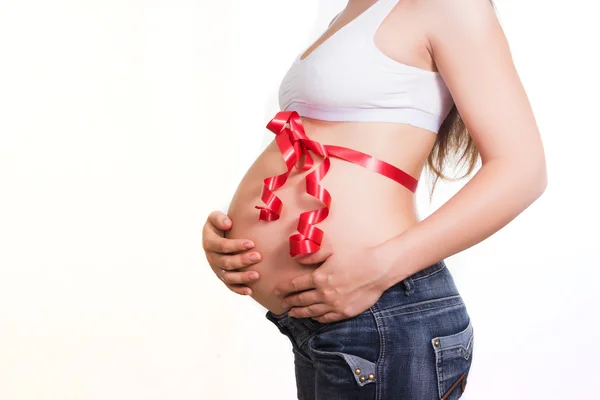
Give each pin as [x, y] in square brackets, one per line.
[292, 142]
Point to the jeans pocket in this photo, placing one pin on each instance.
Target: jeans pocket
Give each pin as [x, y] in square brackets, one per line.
[453, 358]
[346, 349]
[360, 368]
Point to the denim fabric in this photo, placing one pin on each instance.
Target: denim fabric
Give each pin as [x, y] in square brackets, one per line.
[414, 343]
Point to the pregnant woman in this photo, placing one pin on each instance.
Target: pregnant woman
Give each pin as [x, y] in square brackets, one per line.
[345, 268]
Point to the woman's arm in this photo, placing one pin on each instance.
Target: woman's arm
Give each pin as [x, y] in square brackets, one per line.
[472, 54]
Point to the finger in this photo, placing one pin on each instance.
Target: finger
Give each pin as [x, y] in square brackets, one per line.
[213, 237]
[311, 311]
[218, 244]
[219, 220]
[299, 283]
[303, 298]
[236, 261]
[318, 257]
[240, 289]
[329, 317]
[239, 277]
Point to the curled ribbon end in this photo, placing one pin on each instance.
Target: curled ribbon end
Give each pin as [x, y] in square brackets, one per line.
[300, 244]
[267, 214]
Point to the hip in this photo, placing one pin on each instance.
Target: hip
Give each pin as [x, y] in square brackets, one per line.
[414, 343]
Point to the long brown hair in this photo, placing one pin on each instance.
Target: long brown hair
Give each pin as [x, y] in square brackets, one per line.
[453, 146]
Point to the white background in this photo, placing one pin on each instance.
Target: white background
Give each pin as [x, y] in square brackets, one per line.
[124, 123]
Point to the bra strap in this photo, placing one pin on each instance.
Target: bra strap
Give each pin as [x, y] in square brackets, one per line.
[376, 16]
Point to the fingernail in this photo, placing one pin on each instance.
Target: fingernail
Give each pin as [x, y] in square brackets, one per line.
[254, 275]
[248, 245]
[247, 293]
[254, 257]
[226, 221]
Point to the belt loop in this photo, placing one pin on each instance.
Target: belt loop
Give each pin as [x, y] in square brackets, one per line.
[409, 286]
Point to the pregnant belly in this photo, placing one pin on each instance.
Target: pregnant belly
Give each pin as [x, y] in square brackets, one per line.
[366, 209]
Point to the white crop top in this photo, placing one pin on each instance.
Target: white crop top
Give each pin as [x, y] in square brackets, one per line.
[347, 78]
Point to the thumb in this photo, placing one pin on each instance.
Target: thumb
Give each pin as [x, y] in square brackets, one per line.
[219, 220]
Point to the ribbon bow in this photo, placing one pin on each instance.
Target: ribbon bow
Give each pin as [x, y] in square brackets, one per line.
[293, 142]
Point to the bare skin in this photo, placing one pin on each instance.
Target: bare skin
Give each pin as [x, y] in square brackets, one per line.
[373, 235]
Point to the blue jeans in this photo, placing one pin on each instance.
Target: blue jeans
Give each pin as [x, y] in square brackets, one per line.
[414, 343]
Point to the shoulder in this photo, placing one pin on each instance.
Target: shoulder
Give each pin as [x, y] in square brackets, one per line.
[465, 35]
[459, 18]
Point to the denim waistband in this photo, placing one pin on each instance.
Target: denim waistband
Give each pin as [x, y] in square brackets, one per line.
[430, 270]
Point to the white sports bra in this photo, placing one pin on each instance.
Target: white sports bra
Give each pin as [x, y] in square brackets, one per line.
[347, 78]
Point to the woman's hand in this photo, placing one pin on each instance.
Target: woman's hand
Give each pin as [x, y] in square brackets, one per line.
[345, 285]
[226, 255]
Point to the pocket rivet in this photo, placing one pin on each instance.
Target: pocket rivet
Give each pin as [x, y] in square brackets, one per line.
[362, 378]
[357, 371]
[371, 377]
[436, 342]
